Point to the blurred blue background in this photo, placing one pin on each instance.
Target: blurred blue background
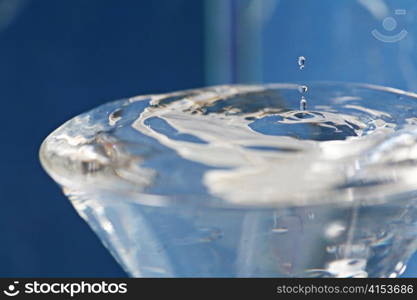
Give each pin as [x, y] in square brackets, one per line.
[61, 58]
[58, 59]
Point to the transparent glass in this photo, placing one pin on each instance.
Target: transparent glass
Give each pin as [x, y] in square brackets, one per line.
[236, 181]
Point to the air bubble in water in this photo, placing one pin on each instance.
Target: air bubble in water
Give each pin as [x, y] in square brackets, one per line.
[301, 62]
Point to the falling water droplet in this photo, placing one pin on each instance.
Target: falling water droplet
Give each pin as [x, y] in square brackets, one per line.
[280, 230]
[303, 103]
[301, 62]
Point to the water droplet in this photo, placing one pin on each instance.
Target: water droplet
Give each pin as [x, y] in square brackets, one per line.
[331, 249]
[302, 89]
[303, 103]
[301, 62]
[334, 230]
